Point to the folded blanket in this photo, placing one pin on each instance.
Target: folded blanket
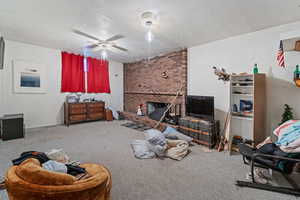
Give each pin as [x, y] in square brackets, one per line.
[288, 132]
[293, 147]
[178, 149]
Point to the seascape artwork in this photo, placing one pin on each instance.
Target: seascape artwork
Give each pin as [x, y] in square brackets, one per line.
[28, 77]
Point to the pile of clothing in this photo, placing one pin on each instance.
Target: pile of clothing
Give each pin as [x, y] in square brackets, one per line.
[169, 143]
[287, 145]
[288, 137]
[55, 160]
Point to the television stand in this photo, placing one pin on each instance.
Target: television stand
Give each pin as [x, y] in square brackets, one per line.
[202, 131]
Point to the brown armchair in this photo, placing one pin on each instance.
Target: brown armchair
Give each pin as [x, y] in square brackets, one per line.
[29, 181]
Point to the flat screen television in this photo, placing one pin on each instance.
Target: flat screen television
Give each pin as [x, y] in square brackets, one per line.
[200, 107]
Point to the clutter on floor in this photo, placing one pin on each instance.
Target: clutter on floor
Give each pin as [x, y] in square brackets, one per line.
[169, 143]
[2, 183]
[282, 156]
[30, 181]
[38, 175]
[172, 133]
[177, 149]
[141, 149]
[136, 126]
[235, 141]
[51, 165]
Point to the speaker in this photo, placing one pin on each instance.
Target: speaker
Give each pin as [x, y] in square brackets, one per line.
[2, 48]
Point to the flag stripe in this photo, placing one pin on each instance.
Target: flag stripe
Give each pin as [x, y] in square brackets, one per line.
[280, 55]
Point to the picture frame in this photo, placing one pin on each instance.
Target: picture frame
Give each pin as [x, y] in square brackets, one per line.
[29, 77]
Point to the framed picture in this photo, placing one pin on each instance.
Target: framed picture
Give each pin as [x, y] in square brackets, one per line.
[29, 77]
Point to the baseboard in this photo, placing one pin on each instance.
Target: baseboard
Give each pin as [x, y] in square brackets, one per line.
[38, 128]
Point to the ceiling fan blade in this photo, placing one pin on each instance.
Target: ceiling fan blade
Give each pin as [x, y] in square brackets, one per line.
[98, 48]
[120, 48]
[92, 46]
[86, 35]
[115, 37]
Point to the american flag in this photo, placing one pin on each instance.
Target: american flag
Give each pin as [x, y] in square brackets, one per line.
[280, 55]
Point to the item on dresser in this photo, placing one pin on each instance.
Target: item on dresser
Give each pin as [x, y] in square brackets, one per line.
[83, 112]
[73, 98]
[12, 126]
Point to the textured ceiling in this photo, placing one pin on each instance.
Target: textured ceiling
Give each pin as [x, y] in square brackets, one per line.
[181, 24]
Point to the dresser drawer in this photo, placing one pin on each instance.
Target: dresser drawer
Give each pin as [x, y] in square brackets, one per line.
[96, 110]
[96, 105]
[95, 116]
[77, 106]
[79, 110]
[77, 118]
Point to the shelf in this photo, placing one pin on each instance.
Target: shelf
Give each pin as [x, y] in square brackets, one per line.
[245, 86]
[242, 117]
[250, 82]
[241, 75]
[248, 124]
[245, 95]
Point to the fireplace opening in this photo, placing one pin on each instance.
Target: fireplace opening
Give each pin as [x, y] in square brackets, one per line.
[155, 111]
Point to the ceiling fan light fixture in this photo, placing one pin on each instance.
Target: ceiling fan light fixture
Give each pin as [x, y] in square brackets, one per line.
[149, 36]
[148, 23]
[104, 54]
[148, 18]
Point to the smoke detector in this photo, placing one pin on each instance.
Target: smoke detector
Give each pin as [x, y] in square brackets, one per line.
[148, 18]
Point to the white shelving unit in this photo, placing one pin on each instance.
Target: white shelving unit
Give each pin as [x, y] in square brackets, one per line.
[247, 106]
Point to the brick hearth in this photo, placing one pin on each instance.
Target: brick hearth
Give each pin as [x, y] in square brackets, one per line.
[156, 80]
[145, 120]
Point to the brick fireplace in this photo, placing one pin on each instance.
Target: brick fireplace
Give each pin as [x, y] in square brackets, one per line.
[156, 80]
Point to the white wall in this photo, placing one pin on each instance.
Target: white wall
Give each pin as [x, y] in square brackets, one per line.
[46, 109]
[238, 54]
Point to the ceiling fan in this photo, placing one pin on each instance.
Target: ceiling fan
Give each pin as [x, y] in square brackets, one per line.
[102, 44]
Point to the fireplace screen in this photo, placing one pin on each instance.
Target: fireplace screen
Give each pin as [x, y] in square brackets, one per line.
[155, 111]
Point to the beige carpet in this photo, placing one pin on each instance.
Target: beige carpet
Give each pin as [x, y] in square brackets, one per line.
[200, 176]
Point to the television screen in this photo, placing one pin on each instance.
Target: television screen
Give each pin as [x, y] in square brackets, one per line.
[201, 107]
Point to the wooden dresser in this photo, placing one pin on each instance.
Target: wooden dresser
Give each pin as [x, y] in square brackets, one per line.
[83, 112]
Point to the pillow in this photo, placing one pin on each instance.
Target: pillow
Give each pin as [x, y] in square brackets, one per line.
[141, 150]
[155, 137]
[31, 171]
[170, 133]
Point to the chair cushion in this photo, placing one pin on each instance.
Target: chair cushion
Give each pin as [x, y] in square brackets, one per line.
[32, 172]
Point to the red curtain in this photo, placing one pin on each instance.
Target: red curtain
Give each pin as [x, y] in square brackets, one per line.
[72, 73]
[98, 76]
